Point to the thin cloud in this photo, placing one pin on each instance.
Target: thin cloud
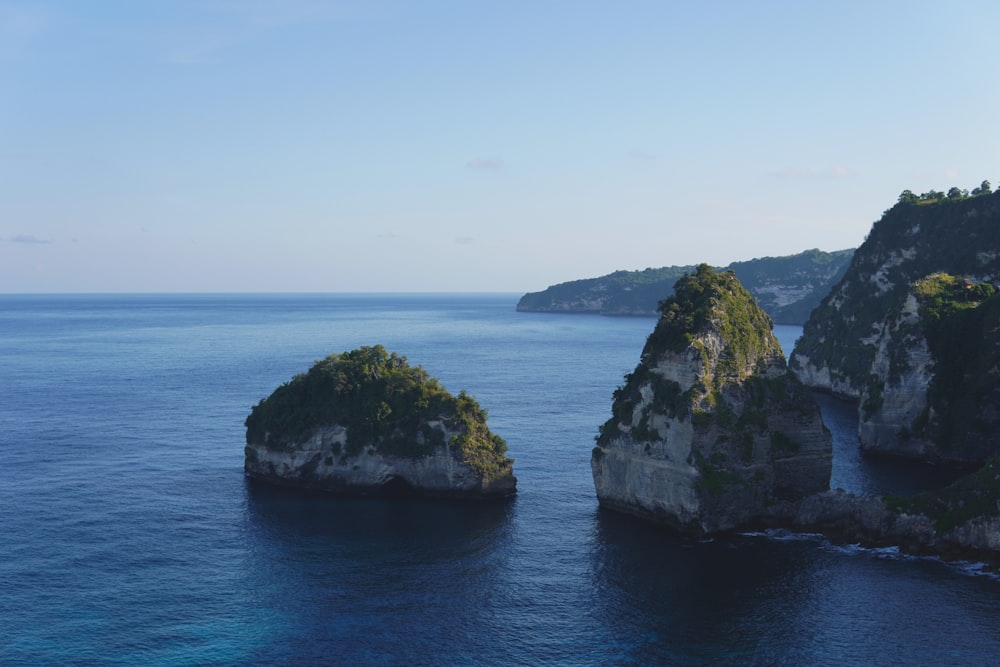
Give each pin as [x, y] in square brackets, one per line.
[29, 239]
[838, 171]
[485, 164]
[465, 240]
[795, 172]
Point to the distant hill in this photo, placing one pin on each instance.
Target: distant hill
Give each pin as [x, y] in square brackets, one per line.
[787, 288]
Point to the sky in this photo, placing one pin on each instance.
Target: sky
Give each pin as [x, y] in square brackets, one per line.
[465, 145]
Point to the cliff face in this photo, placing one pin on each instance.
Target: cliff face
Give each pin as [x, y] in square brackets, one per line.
[877, 338]
[710, 430]
[367, 422]
[901, 373]
[787, 288]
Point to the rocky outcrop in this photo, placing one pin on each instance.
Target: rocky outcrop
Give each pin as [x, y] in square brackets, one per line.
[959, 522]
[787, 288]
[710, 430]
[879, 338]
[366, 422]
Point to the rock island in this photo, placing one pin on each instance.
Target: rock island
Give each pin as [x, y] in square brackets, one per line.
[710, 430]
[365, 421]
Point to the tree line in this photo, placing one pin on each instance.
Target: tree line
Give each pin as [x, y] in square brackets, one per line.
[953, 194]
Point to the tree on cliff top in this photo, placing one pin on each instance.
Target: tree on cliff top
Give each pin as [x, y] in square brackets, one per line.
[953, 194]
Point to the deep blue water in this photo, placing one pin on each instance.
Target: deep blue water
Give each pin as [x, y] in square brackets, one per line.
[129, 536]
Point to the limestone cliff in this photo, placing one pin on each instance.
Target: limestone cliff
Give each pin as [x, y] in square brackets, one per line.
[367, 422]
[879, 338]
[710, 430]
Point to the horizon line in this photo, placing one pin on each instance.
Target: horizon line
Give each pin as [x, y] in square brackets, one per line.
[264, 293]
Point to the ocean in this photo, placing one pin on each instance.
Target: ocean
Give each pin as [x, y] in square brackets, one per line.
[129, 535]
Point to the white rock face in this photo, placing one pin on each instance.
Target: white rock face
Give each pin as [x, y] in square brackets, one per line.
[880, 278]
[903, 389]
[783, 295]
[318, 462]
[655, 486]
[820, 377]
[656, 476]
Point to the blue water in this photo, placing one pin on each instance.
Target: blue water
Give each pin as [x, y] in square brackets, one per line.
[129, 536]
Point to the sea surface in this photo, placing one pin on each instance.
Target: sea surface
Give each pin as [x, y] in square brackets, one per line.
[129, 535]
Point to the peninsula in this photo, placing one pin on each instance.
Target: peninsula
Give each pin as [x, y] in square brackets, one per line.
[787, 288]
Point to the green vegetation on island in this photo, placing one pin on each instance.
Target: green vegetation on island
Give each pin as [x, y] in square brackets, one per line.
[704, 300]
[975, 496]
[707, 298]
[960, 319]
[619, 293]
[382, 402]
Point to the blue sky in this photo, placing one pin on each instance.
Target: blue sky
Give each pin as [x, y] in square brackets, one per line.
[424, 145]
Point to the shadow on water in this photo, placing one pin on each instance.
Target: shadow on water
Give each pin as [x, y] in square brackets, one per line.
[290, 512]
[856, 472]
[867, 475]
[364, 580]
[669, 598]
